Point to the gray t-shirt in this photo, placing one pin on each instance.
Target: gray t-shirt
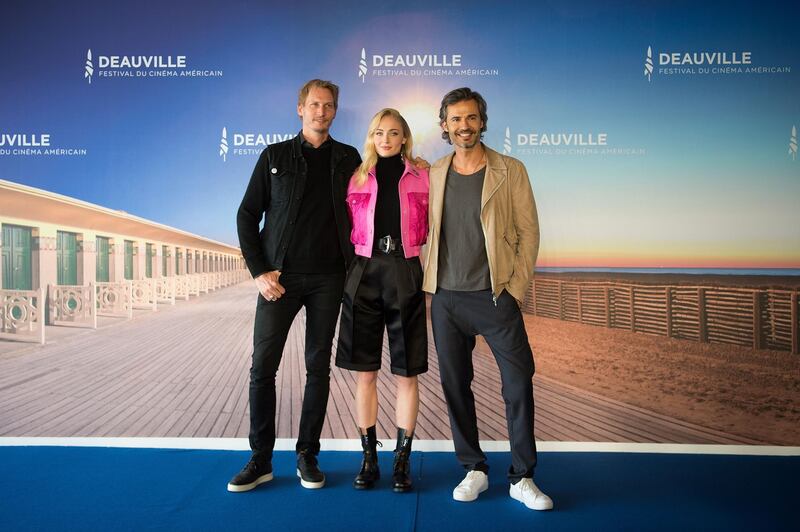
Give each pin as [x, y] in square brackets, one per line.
[463, 265]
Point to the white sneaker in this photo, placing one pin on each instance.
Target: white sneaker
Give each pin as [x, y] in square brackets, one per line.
[526, 492]
[475, 483]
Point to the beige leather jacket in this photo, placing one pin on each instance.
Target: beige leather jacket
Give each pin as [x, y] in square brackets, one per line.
[508, 218]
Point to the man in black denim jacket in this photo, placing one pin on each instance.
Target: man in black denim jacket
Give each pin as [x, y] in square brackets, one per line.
[298, 259]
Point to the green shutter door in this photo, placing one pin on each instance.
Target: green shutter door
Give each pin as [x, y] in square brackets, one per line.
[128, 260]
[102, 259]
[177, 262]
[17, 273]
[67, 258]
[148, 267]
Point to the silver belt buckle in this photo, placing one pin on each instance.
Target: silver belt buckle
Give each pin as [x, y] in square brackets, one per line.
[386, 244]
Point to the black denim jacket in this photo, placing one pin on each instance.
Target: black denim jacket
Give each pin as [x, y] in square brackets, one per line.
[274, 193]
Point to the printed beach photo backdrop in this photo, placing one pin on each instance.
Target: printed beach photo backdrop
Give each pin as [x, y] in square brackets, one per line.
[661, 145]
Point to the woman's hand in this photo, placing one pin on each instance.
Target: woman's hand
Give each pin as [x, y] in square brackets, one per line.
[419, 162]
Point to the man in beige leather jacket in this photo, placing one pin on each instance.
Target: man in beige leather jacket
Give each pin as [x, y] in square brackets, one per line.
[482, 247]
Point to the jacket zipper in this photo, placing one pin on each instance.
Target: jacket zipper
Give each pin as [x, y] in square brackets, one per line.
[491, 279]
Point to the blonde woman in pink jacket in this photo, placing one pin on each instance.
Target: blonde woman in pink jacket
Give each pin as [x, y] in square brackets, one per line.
[387, 201]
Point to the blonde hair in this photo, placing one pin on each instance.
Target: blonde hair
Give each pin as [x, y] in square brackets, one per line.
[319, 84]
[370, 155]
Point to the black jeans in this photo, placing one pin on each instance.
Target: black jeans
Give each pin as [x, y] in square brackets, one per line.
[321, 294]
[457, 317]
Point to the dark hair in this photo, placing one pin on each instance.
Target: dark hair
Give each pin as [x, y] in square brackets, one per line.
[461, 95]
[320, 84]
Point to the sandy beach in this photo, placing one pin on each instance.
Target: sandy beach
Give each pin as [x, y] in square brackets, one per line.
[753, 393]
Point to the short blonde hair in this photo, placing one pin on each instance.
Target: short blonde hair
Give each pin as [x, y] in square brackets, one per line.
[320, 84]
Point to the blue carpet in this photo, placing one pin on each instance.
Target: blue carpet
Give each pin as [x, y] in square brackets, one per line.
[621, 491]
[72, 488]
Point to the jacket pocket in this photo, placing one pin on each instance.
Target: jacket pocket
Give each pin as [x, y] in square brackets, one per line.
[357, 205]
[281, 187]
[418, 217]
[506, 252]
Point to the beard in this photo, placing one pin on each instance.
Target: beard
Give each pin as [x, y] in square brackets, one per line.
[320, 127]
[471, 143]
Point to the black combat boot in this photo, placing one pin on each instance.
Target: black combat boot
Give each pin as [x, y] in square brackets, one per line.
[369, 473]
[402, 469]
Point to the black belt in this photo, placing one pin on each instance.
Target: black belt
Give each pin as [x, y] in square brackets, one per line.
[389, 245]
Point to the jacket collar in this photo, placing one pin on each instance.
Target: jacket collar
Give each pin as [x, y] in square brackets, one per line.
[494, 161]
[411, 169]
[444, 163]
[496, 172]
[297, 145]
[337, 148]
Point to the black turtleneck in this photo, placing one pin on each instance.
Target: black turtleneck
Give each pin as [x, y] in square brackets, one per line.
[388, 172]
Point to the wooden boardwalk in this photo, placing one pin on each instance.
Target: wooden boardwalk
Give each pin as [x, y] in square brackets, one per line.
[183, 372]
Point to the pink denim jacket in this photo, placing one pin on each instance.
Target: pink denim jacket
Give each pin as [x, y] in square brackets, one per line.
[413, 191]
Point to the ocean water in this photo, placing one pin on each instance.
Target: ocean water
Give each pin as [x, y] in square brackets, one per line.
[685, 271]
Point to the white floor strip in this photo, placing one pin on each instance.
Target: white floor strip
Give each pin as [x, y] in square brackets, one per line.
[285, 444]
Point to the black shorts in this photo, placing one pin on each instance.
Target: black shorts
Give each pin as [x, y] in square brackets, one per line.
[383, 291]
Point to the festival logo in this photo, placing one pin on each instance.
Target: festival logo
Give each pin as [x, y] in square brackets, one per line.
[362, 66]
[89, 68]
[247, 143]
[223, 144]
[507, 142]
[36, 145]
[419, 64]
[566, 143]
[708, 63]
[144, 66]
[648, 63]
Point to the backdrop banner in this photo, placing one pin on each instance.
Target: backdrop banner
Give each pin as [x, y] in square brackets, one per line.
[661, 144]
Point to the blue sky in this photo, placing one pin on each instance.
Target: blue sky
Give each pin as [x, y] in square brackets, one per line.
[716, 180]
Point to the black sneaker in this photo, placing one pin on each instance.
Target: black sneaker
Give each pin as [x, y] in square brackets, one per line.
[254, 473]
[308, 471]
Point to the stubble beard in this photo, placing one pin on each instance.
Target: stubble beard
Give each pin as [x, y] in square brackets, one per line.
[464, 144]
[320, 129]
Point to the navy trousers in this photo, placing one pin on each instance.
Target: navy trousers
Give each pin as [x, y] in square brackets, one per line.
[457, 317]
